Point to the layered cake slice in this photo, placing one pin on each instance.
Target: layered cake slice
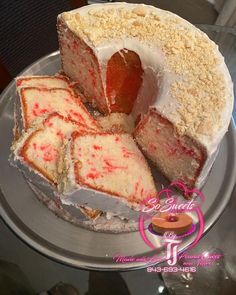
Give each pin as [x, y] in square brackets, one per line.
[38, 102]
[39, 149]
[110, 164]
[34, 81]
[43, 81]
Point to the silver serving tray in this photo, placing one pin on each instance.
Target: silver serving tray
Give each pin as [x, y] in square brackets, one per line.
[39, 227]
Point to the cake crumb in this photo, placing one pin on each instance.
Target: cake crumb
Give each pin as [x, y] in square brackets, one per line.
[140, 11]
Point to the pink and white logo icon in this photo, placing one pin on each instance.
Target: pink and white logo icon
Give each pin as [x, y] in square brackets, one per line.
[168, 203]
[172, 251]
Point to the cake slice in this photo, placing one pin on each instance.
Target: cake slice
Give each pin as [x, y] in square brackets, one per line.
[39, 149]
[43, 81]
[38, 102]
[178, 157]
[106, 171]
[59, 81]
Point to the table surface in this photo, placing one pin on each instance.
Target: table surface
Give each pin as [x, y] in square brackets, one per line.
[43, 273]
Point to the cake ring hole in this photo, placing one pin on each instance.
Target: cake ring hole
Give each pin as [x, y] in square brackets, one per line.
[124, 79]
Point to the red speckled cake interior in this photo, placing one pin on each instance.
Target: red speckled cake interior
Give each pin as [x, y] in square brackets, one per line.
[38, 102]
[112, 163]
[177, 156]
[80, 64]
[42, 147]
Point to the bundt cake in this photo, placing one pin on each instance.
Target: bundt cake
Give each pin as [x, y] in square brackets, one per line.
[150, 63]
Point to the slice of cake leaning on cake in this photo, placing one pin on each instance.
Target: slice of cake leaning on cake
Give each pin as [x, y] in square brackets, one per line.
[154, 65]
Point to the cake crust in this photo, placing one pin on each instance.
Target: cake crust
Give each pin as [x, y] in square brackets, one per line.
[58, 81]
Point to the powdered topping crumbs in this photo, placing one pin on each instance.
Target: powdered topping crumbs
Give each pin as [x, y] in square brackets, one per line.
[200, 91]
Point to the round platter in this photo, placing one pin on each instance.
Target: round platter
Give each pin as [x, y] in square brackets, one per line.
[80, 247]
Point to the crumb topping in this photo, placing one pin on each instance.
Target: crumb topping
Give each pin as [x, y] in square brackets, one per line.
[200, 91]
